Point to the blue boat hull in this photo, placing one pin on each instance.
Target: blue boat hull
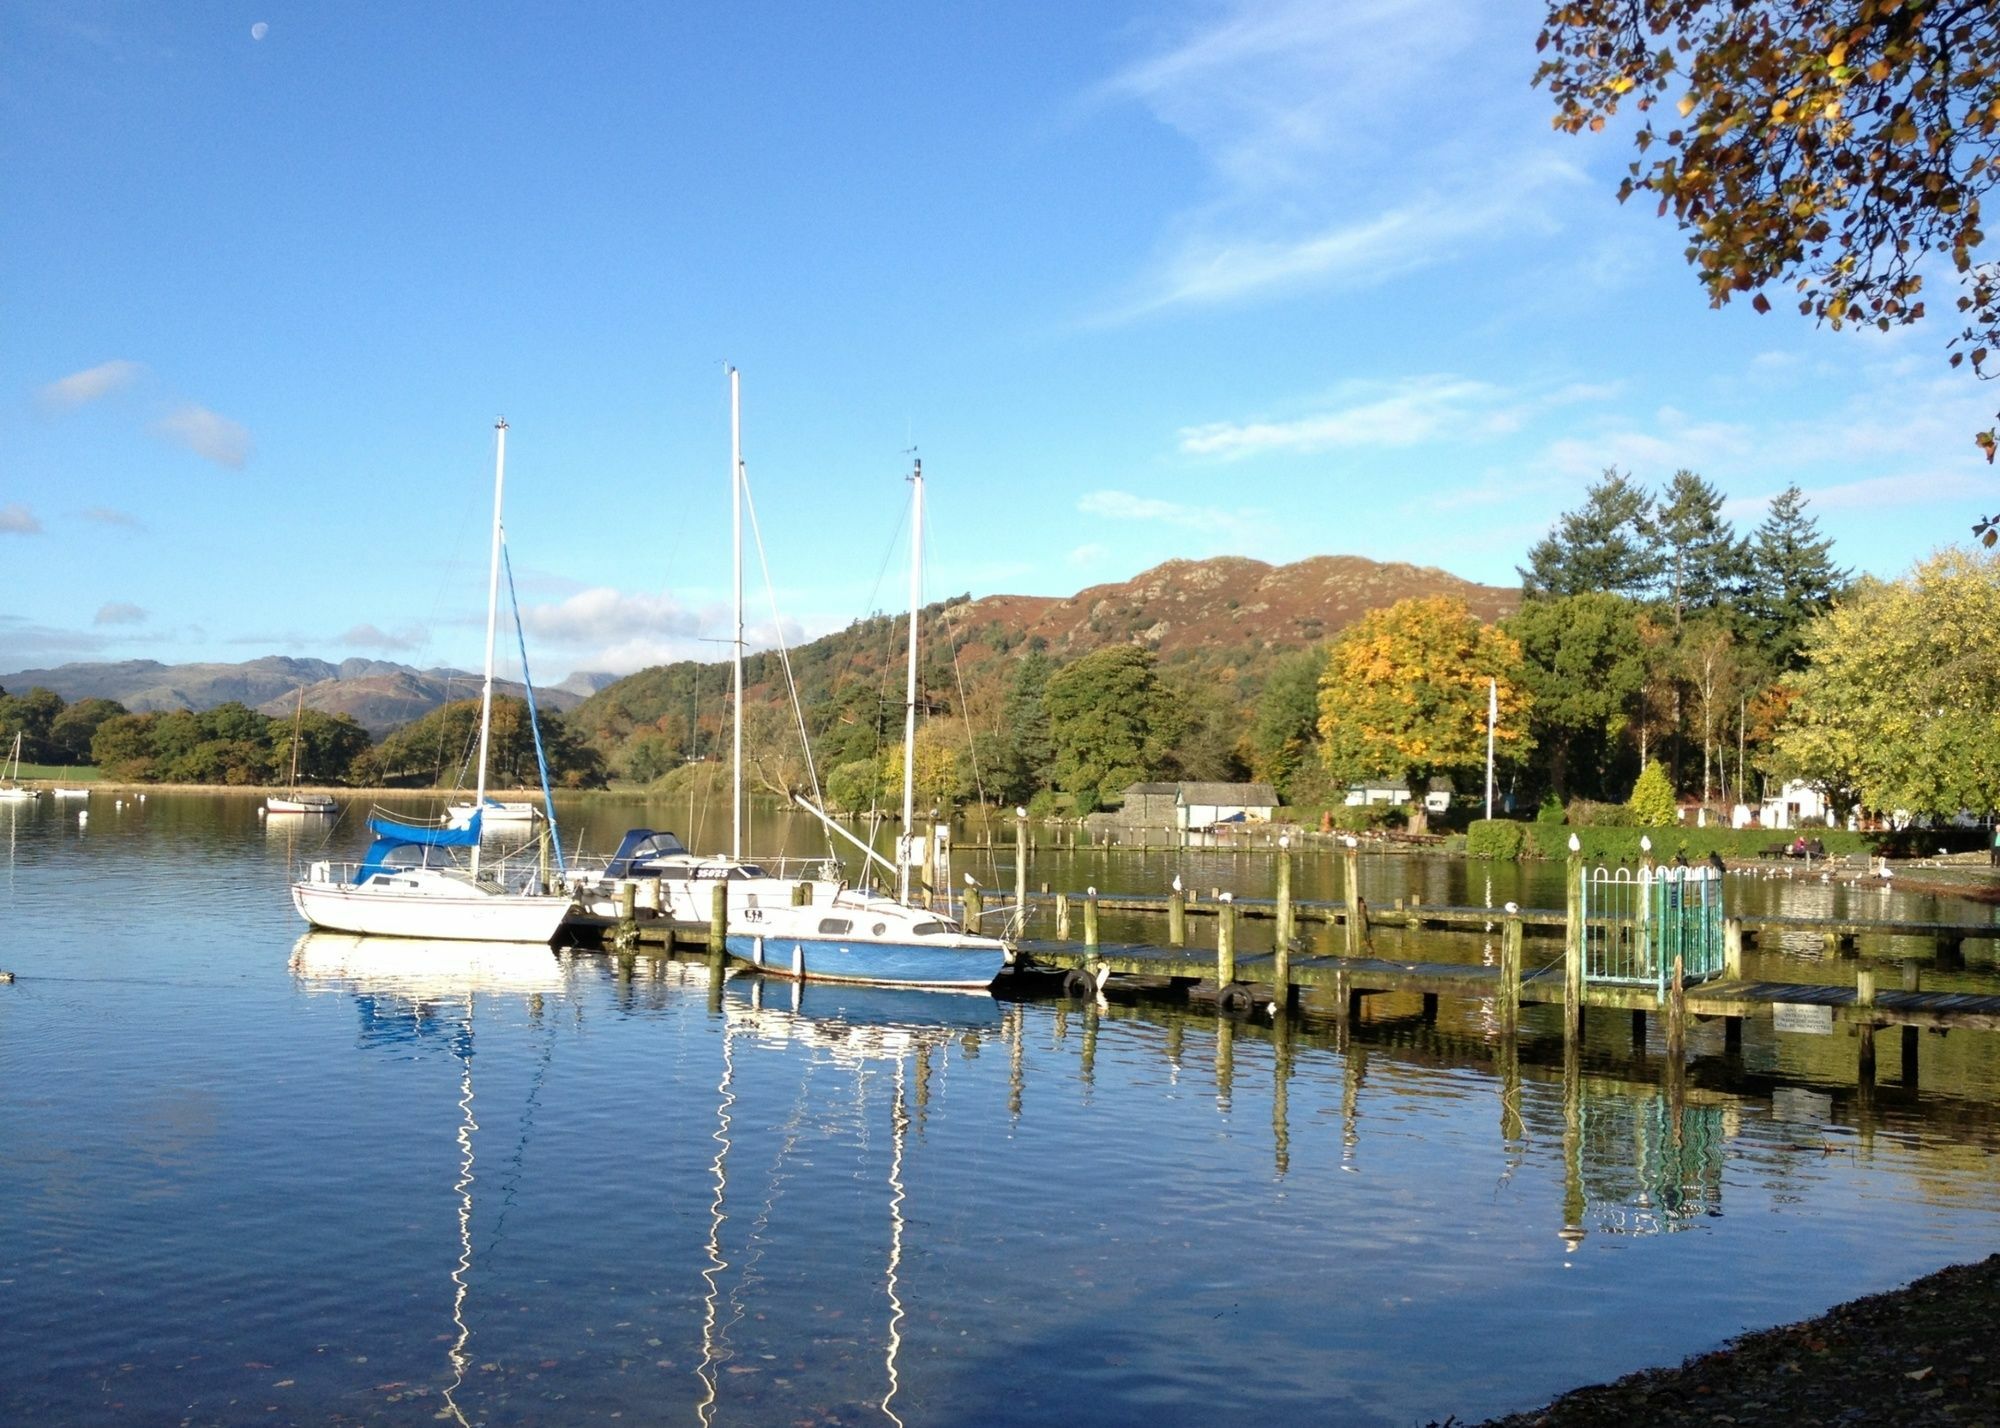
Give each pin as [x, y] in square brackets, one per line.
[874, 964]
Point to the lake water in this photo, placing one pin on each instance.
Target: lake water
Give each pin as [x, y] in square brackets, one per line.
[247, 1175]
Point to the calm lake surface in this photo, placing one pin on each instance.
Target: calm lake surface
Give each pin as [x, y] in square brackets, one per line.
[249, 1175]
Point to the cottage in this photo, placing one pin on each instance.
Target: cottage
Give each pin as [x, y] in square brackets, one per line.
[1797, 805]
[1150, 805]
[1396, 791]
[1203, 805]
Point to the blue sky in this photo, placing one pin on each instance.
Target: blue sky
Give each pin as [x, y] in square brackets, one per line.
[1272, 279]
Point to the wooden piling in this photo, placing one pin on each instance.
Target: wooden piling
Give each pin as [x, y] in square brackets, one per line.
[1732, 948]
[1020, 870]
[1510, 974]
[1062, 916]
[718, 920]
[1284, 897]
[627, 931]
[1090, 920]
[1864, 987]
[975, 905]
[1177, 918]
[1225, 947]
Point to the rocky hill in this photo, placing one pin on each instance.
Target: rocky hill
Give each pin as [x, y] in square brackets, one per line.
[380, 695]
[1230, 615]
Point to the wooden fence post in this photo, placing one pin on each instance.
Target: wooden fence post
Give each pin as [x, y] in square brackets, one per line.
[1176, 918]
[1573, 943]
[1225, 947]
[718, 921]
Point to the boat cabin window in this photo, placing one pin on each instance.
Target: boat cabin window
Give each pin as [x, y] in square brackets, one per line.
[835, 925]
[928, 929]
[879, 928]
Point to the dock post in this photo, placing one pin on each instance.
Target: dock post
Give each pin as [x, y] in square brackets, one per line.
[1090, 919]
[1020, 871]
[1573, 944]
[1176, 918]
[1062, 916]
[1356, 913]
[802, 895]
[1285, 919]
[1225, 947]
[1864, 987]
[1732, 948]
[718, 922]
[1510, 975]
[975, 905]
[627, 932]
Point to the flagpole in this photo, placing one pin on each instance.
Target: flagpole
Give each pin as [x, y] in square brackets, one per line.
[1492, 716]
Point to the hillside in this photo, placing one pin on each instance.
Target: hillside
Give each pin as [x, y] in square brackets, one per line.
[1231, 616]
[380, 695]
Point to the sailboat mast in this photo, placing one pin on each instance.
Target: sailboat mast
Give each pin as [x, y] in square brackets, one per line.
[298, 718]
[492, 610]
[736, 644]
[910, 687]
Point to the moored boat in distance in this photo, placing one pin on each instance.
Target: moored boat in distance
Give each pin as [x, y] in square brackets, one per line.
[11, 790]
[495, 811]
[301, 803]
[70, 792]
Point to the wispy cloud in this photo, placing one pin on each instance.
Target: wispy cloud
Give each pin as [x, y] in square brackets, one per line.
[207, 434]
[81, 388]
[370, 637]
[17, 519]
[1378, 415]
[1309, 121]
[1220, 529]
[119, 612]
[107, 516]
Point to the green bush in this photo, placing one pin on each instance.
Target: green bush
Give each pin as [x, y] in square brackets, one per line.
[1551, 811]
[1652, 803]
[1583, 813]
[1497, 838]
[1366, 817]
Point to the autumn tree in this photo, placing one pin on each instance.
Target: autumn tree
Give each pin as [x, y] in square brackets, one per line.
[1405, 693]
[1896, 705]
[1836, 147]
[1711, 665]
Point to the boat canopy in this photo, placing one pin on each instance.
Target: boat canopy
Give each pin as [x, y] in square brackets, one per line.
[392, 834]
[640, 846]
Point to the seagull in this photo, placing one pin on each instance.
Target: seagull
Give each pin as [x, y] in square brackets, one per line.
[1177, 882]
[971, 881]
[1229, 897]
[1511, 907]
[1090, 892]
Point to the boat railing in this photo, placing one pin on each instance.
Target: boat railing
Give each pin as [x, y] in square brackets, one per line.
[517, 876]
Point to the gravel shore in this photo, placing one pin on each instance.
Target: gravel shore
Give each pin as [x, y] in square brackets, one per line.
[1923, 1354]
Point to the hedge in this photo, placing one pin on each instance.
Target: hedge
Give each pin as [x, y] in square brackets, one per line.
[1506, 839]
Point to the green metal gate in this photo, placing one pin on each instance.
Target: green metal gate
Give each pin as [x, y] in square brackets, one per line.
[1635, 923]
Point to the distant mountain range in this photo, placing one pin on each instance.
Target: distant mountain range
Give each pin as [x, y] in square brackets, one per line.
[380, 695]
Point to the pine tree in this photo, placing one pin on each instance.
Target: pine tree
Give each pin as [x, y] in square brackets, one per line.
[1605, 546]
[1792, 578]
[1704, 566]
[1024, 717]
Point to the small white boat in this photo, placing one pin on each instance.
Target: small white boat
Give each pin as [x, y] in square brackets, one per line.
[291, 800]
[10, 785]
[71, 792]
[459, 815]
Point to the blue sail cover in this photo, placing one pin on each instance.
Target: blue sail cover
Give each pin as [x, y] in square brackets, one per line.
[391, 834]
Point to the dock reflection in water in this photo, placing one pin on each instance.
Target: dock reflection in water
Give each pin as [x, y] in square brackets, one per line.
[391, 1183]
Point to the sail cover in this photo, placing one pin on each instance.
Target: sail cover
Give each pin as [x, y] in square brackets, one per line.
[391, 834]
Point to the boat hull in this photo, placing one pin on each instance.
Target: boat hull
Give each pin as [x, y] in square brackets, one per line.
[872, 964]
[277, 804]
[469, 917]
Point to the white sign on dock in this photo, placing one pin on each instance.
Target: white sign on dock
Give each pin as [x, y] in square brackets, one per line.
[1804, 1018]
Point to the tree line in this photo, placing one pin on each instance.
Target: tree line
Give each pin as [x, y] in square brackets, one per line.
[234, 744]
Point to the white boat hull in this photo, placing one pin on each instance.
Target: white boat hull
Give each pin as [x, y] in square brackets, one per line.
[433, 907]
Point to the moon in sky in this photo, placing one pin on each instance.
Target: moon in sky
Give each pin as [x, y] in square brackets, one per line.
[259, 30]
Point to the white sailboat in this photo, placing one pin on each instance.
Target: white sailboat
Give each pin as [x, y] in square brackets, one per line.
[865, 938]
[291, 800]
[687, 880]
[387, 895]
[10, 784]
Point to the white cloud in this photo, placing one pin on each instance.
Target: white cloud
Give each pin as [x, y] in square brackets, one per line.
[207, 434]
[107, 516]
[1247, 529]
[119, 612]
[1090, 553]
[81, 388]
[369, 637]
[602, 615]
[17, 519]
[1387, 415]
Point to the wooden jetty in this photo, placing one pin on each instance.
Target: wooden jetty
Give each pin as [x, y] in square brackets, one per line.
[1591, 926]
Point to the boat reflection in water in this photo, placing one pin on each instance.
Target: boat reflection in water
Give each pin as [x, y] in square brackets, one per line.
[414, 989]
[858, 1028]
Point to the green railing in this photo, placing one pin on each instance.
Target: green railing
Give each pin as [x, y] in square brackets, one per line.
[1637, 921]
